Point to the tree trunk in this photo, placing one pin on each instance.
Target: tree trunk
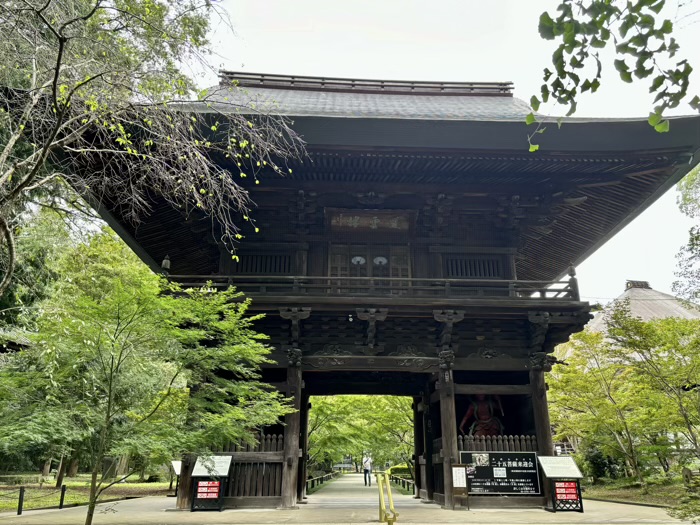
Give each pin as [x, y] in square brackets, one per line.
[61, 472]
[7, 239]
[73, 464]
[92, 502]
[46, 469]
[123, 465]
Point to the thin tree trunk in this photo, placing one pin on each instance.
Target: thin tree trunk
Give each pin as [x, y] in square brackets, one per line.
[73, 464]
[7, 239]
[46, 470]
[92, 502]
[61, 472]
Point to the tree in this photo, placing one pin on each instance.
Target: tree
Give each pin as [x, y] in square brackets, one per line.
[119, 369]
[666, 352]
[341, 426]
[90, 93]
[643, 45]
[40, 242]
[598, 401]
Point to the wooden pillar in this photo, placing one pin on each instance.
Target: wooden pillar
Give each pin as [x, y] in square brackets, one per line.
[417, 445]
[543, 429]
[448, 418]
[304, 436]
[290, 467]
[428, 434]
[184, 490]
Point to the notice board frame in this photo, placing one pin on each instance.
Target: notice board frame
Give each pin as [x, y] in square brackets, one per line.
[566, 505]
[536, 478]
[208, 503]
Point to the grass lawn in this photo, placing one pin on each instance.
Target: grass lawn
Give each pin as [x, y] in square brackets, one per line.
[668, 495]
[77, 491]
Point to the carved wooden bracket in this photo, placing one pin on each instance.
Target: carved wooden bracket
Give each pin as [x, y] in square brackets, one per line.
[539, 325]
[372, 315]
[295, 315]
[448, 318]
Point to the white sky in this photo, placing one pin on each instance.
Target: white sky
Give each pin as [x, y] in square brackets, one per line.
[458, 40]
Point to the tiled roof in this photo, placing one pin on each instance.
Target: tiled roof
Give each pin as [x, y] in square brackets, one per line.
[647, 304]
[343, 98]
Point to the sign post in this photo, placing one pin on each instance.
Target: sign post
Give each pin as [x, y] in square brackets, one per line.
[564, 477]
[209, 478]
[504, 473]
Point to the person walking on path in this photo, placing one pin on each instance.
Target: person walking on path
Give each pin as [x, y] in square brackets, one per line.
[367, 466]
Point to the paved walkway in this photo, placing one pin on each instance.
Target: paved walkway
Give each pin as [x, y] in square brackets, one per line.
[344, 501]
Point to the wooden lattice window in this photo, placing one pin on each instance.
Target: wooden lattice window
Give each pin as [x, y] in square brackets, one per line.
[376, 261]
[264, 264]
[474, 267]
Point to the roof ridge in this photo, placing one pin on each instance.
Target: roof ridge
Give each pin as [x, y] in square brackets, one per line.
[353, 85]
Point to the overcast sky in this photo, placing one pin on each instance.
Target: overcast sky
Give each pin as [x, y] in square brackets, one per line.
[458, 40]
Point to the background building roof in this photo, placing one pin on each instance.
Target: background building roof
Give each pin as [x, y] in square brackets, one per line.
[647, 304]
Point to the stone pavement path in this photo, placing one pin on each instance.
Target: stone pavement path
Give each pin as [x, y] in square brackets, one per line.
[344, 501]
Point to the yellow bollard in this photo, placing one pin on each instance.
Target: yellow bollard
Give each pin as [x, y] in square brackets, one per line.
[386, 516]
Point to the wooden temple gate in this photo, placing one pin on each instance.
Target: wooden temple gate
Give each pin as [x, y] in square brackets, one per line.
[418, 250]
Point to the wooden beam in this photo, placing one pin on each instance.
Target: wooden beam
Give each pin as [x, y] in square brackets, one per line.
[265, 457]
[495, 364]
[503, 390]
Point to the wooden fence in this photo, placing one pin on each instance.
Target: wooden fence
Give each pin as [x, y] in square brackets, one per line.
[268, 443]
[320, 480]
[498, 443]
[492, 444]
[256, 469]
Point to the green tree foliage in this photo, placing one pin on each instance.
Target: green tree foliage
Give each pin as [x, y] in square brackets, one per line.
[91, 92]
[118, 369]
[666, 353]
[596, 400]
[40, 242]
[341, 426]
[643, 46]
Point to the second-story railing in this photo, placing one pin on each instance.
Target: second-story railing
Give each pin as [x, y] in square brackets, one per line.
[377, 287]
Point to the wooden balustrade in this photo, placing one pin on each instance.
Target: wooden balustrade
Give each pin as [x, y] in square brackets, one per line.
[320, 480]
[386, 286]
[406, 484]
[497, 443]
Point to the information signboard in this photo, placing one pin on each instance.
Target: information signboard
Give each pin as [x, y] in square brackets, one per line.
[209, 482]
[501, 473]
[560, 467]
[216, 466]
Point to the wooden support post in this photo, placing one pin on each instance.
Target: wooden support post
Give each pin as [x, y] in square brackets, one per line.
[428, 483]
[543, 429]
[184, 493]
[304, 436]
[417, 444]
[448, 418]
[290, 467]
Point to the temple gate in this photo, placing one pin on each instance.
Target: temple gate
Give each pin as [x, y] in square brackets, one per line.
[418, 250]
